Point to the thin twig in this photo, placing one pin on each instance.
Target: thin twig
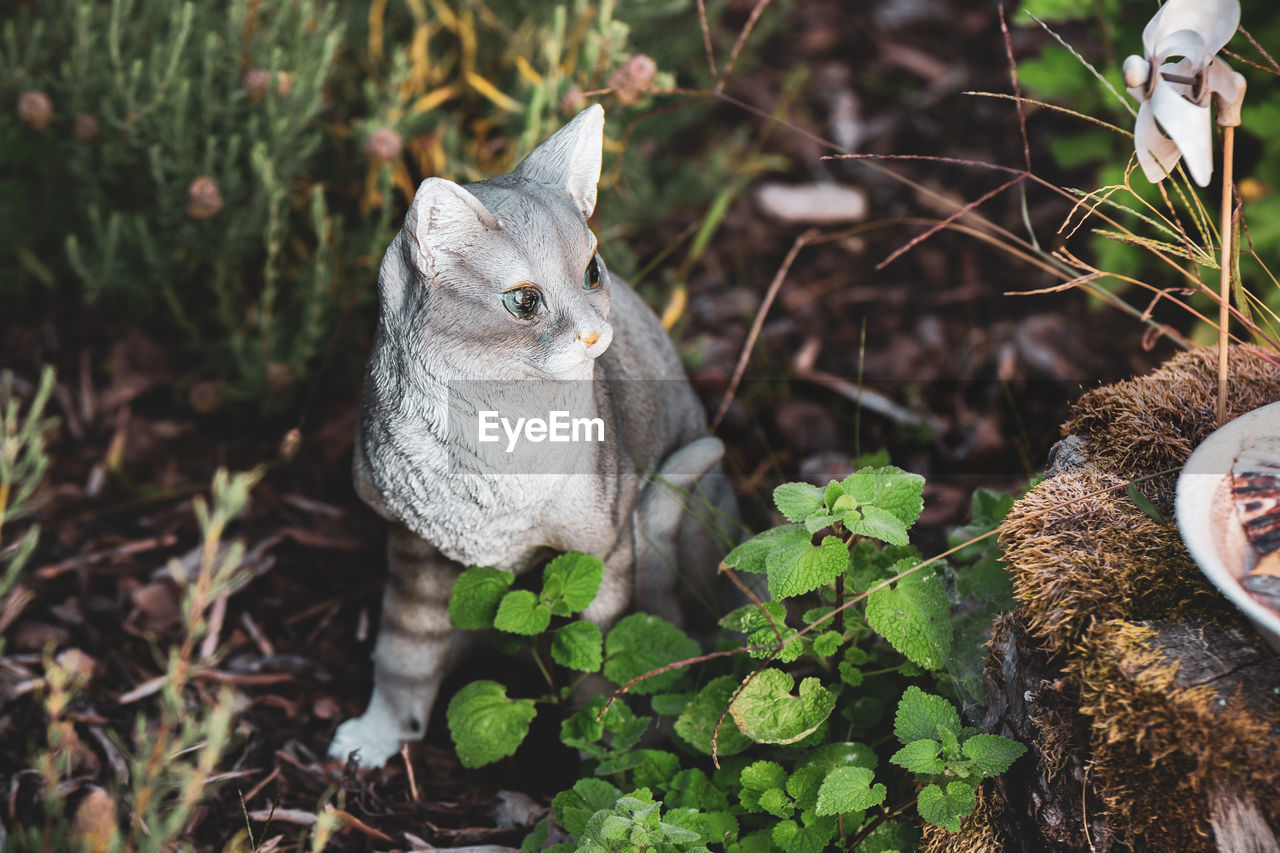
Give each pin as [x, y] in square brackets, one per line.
[257, 789]
[1224, 278]
[755, 599]
[943, 223]
[408, 766]
[756, 11]
[758, 323]
[706, 40]
[621, 691]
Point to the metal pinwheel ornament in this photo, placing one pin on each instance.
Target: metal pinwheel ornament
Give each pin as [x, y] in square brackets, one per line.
[1174, 82]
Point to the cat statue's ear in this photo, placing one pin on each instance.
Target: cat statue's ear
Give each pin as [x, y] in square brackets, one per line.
[570, 159]
[443, 216]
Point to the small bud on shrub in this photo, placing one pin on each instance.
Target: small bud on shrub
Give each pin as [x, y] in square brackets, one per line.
[257, 80]
[204, 198]
[382, 146]
[633, 79]
[35, 110]
[86, 127]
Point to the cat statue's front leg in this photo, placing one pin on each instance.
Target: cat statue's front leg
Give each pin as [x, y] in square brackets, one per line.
[409, 660]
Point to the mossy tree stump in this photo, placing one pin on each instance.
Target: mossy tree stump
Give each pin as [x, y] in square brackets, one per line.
[1150, 706]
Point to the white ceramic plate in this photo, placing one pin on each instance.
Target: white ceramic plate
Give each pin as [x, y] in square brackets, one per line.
[1207, 516]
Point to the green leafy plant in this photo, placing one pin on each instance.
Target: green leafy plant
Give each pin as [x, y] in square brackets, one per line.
[484, 722]
[875, 618]
[23, 463]
[174, 753]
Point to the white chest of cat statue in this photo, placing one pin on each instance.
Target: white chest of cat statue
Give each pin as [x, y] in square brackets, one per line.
[495, 305]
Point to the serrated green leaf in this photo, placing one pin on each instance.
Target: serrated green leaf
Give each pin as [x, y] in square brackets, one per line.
[485, 725]
[890, 488]
[920, 714]
[844, 504]
[822, 616]
[832, 494]
[950, 743]
[520, 612]
[754, 842]
[626, 727]
[578, 645]
[849, 674]
[920, 756]
[692, 789]
[795, 567]
[698, 720]
[915, 617]
[870, 563]
[615, 828]
[812, 837]
[803, 784]
[641, 643]
[570, 582]
[656, 768]
[712, 827]
[841, 754]
[827, 643]
[673, 834]
[573, 808]
[618, 762]
[855, 655]
[849, 789]
[877, 523]
[581, 729]
[750, 556]
[775, 802]
[753, 622]
[763, 775]
[670, 704]
[814, 523]
[798, 501]
[474, 599]
[766, 712]
[993, 754]
[946, 809]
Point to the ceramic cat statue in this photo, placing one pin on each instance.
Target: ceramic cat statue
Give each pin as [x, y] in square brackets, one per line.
[500, 328]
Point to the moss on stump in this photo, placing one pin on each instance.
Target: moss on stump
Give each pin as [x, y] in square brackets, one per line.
[1150, 705]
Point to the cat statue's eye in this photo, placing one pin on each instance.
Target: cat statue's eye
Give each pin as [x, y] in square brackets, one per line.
[594, 274]
[522, 302]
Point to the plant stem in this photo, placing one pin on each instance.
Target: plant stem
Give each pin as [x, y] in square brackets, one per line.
[1224, 281]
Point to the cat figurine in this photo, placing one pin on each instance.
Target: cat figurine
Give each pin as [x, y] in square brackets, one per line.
[495, 299]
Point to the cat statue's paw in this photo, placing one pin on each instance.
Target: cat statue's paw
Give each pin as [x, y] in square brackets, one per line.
[373, 736]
